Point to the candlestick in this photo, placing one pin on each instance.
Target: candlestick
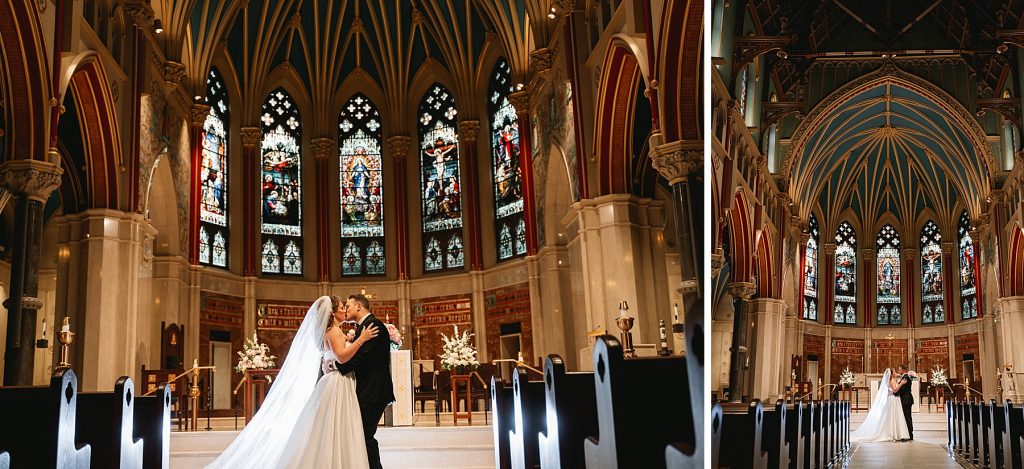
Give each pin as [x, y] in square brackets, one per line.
[675, 309]
[44, 328]
[66, 337]
[195, 363]
[623, 308]
[65, 327]
[663, 343]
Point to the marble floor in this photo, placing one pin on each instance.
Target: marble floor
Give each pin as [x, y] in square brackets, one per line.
[918, 455]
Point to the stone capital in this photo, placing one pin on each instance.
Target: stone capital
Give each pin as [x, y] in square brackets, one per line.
[689, 287]
[141, 16]
[804, 237]
[717, 262]
[322, 147]
[540, 60]
[33, 178]
[867, 254]
[199, 113]
[174, 72]
[744, 290]
[563, 7]
[468, 130]
[251, 136]
[520, 100]
[911, 254]
[948, 247]
[828, 249]
[399, 146]
[677, 160]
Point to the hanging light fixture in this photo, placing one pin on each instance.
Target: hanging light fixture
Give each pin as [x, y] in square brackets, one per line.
[157, 26]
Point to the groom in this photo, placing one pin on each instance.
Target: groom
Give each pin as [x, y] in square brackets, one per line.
[906, 397]
[372, 365]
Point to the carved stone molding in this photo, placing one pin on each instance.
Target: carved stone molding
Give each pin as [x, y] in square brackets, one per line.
[747, 48]
[689, 287]
[744, 290]
[174, 72]
[717, 262]
[141, 17]
[468, 130]
[540, 60]
[911, 254]
[677, 160]
[33, 178]
[322, 147]
[399, 145]
[804, 237]
[563, 7]
[199, 113]
[251, 136]
[828, 249]
[948, 247]
[867, 254]
[520, 100]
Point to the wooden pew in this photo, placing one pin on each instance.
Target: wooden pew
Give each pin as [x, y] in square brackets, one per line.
[993, 431]
[773, 433]
[1013, 436]
[950, 445]
[827, 432]
[571, 413]
[975, 432]
[44, 435]
[153, 426]
[716, 433]
[637, 402]
[530, 420]
[818, 441]
[5, 460]
[809, 433]
[794, 439]
[742, 427]
[105, 421]
[503, 423]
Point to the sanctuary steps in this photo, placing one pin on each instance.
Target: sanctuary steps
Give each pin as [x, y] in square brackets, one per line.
[408, 447]
[928, 427]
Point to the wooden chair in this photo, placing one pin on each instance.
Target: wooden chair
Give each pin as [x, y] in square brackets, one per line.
[443, 388]
[425, 391]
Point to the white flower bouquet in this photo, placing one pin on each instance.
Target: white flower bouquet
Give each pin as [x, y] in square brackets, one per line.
[846, 378]
[458, 352]
[938, 377]
[254, 356]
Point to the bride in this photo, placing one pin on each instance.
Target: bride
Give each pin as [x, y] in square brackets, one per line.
[304, 422]
[885, 421]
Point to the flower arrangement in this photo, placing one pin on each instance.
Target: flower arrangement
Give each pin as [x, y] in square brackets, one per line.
[846, 378]
[938, 377]
[458, 352]
[254, 356]
[395, 335]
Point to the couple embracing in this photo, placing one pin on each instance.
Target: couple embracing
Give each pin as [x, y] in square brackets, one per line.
[889, 418]
[328, 422]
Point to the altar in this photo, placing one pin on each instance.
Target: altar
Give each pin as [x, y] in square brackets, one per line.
[874, 381]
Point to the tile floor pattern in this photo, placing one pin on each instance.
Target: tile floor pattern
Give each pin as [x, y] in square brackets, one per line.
[914, 454]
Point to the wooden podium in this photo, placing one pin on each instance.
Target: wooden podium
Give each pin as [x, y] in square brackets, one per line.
[256, 387]
[458, 380]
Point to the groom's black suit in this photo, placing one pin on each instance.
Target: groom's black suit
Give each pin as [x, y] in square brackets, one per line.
[372, 365]
[907, 401]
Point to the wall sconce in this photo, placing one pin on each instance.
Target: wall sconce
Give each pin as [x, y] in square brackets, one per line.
[158, 27]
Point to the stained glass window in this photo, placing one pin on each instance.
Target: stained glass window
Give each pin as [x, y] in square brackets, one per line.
[888, 273]
[846, 275]
[967, 287]
[362, 196]
[811, 271]
[508, 189]
[281, 187]
[213, 204]
[931, 274]
[440, 181]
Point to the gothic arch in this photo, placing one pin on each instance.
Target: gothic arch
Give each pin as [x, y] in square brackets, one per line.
[767, 281]
[680, 91]
[742, 242]
[27, 79]
[98, 119]
[1015, 273]
[615, 104]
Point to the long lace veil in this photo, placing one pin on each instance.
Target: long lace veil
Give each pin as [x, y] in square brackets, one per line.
[263, 439]
[874, 417]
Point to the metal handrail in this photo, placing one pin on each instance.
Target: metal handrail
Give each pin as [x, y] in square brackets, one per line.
[818, 389]
[519, 363]
[190, 370]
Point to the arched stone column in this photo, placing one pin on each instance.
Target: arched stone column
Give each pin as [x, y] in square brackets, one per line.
[768, 365]
[741, 293]
[30, 182]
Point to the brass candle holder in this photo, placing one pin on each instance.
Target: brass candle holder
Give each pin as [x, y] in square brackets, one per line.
[625, 324]
[66, 337]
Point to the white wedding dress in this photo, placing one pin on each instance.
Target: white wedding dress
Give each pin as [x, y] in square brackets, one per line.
[329, 431]
[885, 420]
[304, 422]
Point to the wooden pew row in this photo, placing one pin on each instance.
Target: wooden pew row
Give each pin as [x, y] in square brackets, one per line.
[632, 395]
[44, 435]
[742, 427]
[1013, 436]
[813, 434]
[503, 422]
[5, 460]
[985, 435]
[571, 414]
[528, 403]
[153, 425]
[105, 421]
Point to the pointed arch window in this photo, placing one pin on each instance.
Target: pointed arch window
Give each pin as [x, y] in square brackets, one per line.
[440, 181]
[811, 271]
[213, 206]
[508, 189]
[888, 275]
[846, 275]
[968, 291]
[361, 183]
[931, 275]
[280, 184]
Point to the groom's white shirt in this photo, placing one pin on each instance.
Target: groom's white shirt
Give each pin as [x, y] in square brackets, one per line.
[361, 321]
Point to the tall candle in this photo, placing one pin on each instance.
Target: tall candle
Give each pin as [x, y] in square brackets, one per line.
[675, 307]
[195, 363]
[44, 327]
[65, 327]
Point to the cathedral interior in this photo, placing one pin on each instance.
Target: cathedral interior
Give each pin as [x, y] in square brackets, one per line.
[181, 176]
[867, 195]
